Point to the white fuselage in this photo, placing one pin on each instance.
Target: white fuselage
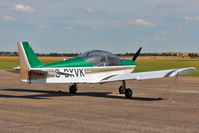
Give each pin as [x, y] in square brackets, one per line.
[83, 74]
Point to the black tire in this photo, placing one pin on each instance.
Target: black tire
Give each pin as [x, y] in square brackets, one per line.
[121, 90]
[73, 89]
[128, 93]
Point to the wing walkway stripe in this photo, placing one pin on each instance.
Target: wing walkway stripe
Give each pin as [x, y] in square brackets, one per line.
[169, 73]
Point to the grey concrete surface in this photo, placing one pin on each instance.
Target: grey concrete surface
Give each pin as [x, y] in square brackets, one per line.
[159, 105]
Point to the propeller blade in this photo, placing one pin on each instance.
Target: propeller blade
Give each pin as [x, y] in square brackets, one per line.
[137, 53]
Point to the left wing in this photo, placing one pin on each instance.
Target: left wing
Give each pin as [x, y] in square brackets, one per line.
[150, 74]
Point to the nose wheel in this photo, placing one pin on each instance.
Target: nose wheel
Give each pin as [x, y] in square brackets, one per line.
[127, 91]
[122, 90]
[73, 89]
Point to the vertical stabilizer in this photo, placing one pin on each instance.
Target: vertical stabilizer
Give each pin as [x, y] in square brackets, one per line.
[27, 60]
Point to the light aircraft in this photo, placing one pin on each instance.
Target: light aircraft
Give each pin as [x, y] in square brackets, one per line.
[91, 67]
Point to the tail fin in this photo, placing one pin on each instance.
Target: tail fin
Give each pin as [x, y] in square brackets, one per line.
[27, 60]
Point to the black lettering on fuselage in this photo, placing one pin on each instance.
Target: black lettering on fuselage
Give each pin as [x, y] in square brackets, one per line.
[81, 71]
[57, 70]
[66, 71]
[71, 72]
[74, 72]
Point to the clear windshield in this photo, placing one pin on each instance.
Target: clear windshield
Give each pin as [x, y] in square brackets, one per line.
[101, 58]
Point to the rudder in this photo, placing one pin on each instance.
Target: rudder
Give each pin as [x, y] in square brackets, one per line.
[27, 60]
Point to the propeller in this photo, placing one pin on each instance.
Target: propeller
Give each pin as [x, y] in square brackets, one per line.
[136, 54]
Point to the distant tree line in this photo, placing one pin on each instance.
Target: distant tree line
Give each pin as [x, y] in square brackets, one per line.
[148, 54]
[41, 54]
[126, 54]
[58, 54]
[193, 55]
[8, 54]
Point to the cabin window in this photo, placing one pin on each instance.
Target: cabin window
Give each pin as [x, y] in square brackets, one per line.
[101, 58]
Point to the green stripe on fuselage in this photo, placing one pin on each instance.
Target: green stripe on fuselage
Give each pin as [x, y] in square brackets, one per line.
[73, 62]
[126, 62]
[81, 62]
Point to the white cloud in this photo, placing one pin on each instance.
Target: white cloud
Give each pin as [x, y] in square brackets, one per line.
[9, 19]
[70, 28]
[157, 38]
[164, 33]
[161, 33]
[57, 1]
[93, 11]
[42, 26]
[140, 22]
[32, 21]
[22, 9]
[167, 6]
[194, 18]
[94, 28]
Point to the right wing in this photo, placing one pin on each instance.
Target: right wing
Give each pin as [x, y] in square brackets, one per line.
[149, 75]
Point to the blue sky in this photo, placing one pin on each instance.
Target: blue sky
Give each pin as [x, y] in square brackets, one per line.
[118, 26]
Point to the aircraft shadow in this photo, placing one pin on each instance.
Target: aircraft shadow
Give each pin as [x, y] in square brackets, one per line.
[45, 94]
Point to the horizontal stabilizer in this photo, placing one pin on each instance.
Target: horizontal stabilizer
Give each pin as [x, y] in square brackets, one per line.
[50, 72]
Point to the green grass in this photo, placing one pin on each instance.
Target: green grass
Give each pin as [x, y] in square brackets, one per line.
[8, 63]
[166, 64]
[141, 65]
[46, 61]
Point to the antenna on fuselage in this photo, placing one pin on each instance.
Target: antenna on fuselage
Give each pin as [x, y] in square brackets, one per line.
[136, 54]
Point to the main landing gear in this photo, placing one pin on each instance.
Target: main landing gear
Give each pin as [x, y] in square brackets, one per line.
[73, 89]
[122, 90]
[127, 91]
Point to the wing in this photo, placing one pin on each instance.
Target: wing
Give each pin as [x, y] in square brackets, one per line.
[149, 75]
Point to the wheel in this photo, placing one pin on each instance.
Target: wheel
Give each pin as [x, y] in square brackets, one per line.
[128, 93]
[73, 89]
[121, 90]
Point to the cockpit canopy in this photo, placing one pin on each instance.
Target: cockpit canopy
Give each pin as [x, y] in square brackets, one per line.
[101, 58]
